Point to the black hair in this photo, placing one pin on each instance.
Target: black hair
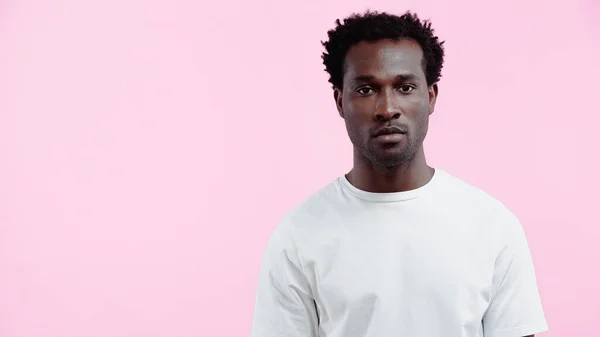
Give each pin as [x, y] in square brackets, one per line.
[373, 26]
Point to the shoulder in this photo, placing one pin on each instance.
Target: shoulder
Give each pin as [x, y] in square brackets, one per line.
[470, 199]
[470, 195]
[315, 207]
[309, 214]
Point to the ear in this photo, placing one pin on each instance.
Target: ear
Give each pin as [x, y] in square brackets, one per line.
[433, 94]
[337, 96]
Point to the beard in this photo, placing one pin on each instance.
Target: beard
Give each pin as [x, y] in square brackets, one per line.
[387, 156]
[392, 160]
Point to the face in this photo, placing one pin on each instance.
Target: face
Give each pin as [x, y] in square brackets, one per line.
[385, 101]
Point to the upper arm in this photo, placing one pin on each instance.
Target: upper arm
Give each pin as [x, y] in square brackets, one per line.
[515, 309]
[284, 304]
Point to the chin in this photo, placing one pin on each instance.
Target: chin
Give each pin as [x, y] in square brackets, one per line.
[392, 160]
[390, 163]
[392, 157]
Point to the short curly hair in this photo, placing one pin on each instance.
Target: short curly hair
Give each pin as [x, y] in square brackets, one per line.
[373, 26]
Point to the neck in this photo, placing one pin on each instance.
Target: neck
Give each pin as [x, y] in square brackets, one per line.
[412, 174]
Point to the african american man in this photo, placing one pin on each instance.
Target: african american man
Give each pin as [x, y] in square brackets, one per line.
[394, 248]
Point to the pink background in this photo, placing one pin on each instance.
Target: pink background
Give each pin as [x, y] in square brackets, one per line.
[148, 148]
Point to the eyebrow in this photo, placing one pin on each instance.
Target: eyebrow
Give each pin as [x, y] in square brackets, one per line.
[370, 78]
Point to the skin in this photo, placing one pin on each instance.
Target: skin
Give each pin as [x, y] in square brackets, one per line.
[384, 85]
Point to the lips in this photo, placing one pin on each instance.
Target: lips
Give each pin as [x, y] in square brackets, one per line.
[389, 131]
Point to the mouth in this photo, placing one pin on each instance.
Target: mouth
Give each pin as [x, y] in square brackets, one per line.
[389, 131]
[389, 136]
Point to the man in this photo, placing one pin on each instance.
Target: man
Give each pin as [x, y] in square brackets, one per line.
[395, 247]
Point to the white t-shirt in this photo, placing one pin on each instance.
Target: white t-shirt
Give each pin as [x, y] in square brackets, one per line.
[443, 260]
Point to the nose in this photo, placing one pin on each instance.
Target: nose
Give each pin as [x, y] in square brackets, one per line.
[387, 106]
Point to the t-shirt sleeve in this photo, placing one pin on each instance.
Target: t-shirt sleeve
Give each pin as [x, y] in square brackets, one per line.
[284, 304]
[515, 309]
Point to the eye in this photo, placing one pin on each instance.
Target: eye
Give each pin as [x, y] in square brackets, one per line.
[406, 88]
[365, 91]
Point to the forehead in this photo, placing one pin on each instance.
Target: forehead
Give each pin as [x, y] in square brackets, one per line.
[384, 58]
